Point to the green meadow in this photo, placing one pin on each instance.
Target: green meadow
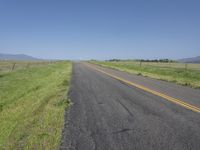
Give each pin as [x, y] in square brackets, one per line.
[32, 104]
[184, 74]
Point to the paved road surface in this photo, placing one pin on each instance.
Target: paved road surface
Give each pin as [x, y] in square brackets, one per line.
[109, 115]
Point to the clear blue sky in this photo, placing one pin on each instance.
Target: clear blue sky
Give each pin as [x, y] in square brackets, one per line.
[100, 29]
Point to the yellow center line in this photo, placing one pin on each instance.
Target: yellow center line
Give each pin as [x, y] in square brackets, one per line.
[166, 97]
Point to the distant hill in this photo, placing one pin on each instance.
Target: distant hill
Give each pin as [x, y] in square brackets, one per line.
[190, 60]
[17, 57]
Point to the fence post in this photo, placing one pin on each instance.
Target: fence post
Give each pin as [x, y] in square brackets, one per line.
[1, 107]
[186, 66]
[140, 63]
[13, 67]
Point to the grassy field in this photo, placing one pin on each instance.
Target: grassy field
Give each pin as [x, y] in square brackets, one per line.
[184, 74]
[10, 66]
[32, 104]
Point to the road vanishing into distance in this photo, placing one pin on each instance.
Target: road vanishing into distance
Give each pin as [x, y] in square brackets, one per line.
[109, 114]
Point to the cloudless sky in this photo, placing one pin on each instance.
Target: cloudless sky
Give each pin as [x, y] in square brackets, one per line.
[100, 29]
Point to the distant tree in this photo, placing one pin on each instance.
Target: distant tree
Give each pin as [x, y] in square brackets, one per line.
[93, 60]
[155, 60]
[114, 60]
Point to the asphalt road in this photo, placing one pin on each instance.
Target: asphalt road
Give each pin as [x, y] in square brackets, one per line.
[109, 115]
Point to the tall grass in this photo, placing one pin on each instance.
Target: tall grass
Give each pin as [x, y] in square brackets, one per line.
[184, 74]
[32, 103]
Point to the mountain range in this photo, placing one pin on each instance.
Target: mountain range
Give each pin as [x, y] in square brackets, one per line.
[30, 58]
[17, 57]
[190, 60]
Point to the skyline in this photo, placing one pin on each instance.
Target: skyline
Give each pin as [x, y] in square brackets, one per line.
[100, 30]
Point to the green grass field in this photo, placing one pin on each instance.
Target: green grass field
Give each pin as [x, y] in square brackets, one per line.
[10, 66]
[184, 74]
[32, 104]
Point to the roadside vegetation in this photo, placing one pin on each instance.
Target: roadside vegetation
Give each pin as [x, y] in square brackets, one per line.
[184, 74]
[10, 66]
[32, 104]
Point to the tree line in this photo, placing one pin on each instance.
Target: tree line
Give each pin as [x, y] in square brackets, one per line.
[145, 60]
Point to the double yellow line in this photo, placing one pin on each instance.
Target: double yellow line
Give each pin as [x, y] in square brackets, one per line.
[166, 97]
